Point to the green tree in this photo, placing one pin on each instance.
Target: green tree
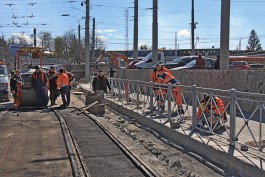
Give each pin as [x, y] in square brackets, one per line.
[253, 42]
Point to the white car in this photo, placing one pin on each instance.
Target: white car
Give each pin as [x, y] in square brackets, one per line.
[4, 83]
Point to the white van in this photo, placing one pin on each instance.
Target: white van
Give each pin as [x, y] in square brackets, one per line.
[4, 83]
[146, 63]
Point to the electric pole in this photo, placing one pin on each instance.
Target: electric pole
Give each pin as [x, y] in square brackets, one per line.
[93, 41]
[192, 28]
[135, 31]
[155, 34]
[79, 38]
[126, 30]
[224, 36]
[87, 44]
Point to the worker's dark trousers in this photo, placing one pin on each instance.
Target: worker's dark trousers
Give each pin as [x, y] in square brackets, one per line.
[68, 96]
[53, 95]
[64, 91]
[42, 98]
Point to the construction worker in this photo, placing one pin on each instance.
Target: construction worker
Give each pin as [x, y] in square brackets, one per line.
[100, 84]
[71, 77]
[214, 111]
[200, 63]
[39, 83]
[62, 86]
[52, 86]
[111, 72]
[16, 84]
[159, 92]
[167, 78]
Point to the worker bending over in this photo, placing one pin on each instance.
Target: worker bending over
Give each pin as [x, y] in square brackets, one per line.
[159, 92]
[167, 78]
[62, 87]
[16, 84]
[214, 111]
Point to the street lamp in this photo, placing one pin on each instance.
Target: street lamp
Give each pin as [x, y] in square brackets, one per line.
[67, 15]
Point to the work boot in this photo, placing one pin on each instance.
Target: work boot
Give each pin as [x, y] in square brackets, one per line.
[62, 106]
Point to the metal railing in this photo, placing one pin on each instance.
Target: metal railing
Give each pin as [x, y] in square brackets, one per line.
[171, 104]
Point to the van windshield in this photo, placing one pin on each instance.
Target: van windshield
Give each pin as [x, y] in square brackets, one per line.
[150, 55]
[3, 72]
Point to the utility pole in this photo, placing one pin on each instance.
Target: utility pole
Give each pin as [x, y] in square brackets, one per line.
[126, 30]
[192, 28]
[224, 36]
[87, 44]
[135, 31]
[93, 41]
[176, 42]
[34, 37]
[79, 38]
[155, 34]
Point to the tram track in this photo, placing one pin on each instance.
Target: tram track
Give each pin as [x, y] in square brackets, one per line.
[76, 158]
[78, 165]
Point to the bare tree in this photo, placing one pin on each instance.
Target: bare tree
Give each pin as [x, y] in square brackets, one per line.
[69, 47]
[46, 40]
[58, 47]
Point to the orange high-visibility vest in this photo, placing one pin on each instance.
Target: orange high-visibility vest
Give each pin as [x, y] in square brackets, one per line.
[219, 104]
[155, 72]
[62, 80]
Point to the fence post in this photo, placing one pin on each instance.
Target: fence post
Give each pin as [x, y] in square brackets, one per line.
[232, 139]
[119, 89]
[194, 107]
[260, 125]
[126, 90]
[169, 110]
[112, 88]
[151, 97]
[137, 94]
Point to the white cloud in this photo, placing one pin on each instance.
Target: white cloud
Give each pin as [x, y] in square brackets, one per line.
[184, 33]
[105, 31]
[22, 37]
[117, 36]
[102, 38]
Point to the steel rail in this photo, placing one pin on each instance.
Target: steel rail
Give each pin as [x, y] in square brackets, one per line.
[141, 165]
[77, 162]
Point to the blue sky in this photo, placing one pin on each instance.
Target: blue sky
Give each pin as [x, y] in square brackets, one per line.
[174, 17]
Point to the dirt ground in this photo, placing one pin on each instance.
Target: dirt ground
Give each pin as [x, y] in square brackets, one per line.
[158, 153]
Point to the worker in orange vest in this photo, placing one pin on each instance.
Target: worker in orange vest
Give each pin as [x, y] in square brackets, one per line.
[214, 111]
[39, 83]
[63, 86]
[159, 92]
[16, 84]
[71, 77]
[167, 78]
